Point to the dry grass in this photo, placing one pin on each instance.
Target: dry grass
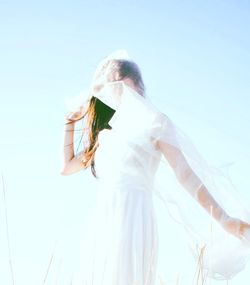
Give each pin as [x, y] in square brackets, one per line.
[201, 274]
[7, 230]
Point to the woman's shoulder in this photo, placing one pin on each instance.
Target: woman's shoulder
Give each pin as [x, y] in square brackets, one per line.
[161, 125]
[160, 118]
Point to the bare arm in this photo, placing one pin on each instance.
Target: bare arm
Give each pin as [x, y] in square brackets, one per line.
[191, 181]
[195, 187]
[71, 163]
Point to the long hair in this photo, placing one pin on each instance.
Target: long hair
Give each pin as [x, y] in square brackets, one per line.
[99, 114]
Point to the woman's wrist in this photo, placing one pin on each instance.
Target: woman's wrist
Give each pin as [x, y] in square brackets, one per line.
[69, 127]
[68, 123]
[224, 217]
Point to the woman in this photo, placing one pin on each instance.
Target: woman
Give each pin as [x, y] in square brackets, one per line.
[127, 141]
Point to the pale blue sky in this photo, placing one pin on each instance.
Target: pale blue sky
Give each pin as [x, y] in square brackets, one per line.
[194, 57]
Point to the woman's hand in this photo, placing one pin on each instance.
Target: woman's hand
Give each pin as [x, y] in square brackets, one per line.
[75, 115]
[237, 227]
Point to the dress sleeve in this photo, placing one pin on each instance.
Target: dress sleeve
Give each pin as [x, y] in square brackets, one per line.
[166, 139]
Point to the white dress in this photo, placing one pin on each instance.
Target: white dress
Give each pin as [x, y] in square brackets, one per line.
[122, 245]
[125, 242]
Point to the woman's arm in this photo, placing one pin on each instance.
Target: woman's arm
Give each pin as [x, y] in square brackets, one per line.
[191, 181]
[195, 187]
[71, 163]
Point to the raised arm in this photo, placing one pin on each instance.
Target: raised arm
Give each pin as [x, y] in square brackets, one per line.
[195, 187]
[71, 162]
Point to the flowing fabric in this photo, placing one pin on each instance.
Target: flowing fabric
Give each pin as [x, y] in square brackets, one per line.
[124, 243]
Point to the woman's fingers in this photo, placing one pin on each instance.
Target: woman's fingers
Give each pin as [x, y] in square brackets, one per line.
[75, 115]
[238, 228]
[244, 230]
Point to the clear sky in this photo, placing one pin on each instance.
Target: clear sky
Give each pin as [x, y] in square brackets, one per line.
[194, 57]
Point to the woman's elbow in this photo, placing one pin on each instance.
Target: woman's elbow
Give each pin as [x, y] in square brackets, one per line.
[65, 171]
[72, 167]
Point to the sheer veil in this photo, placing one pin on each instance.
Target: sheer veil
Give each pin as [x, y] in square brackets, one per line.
[137, 118]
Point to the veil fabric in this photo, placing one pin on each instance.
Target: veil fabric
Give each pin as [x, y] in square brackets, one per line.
[224, 254]
[176, 182]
